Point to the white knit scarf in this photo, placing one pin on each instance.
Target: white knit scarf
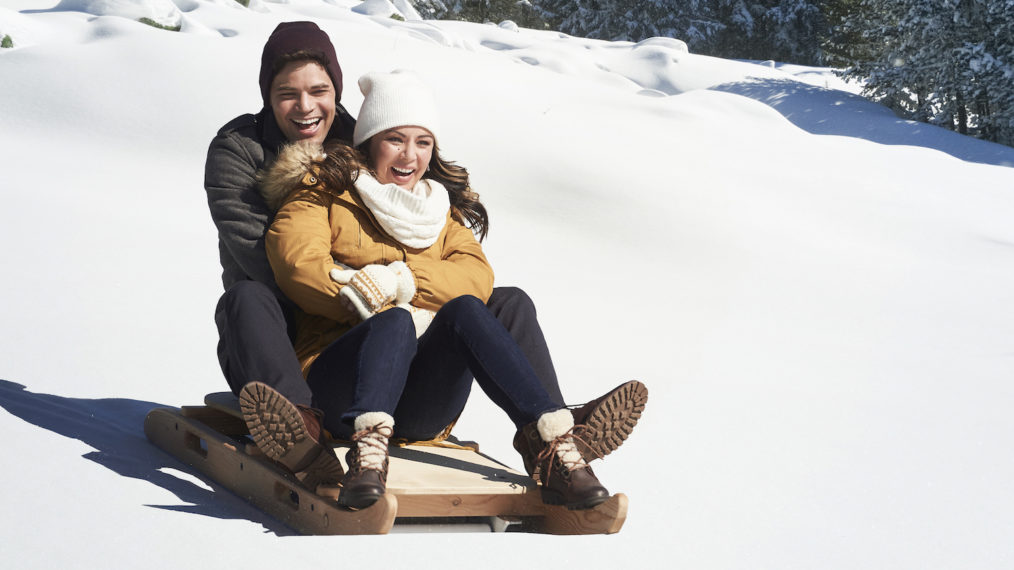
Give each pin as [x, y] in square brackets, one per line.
[413, 217]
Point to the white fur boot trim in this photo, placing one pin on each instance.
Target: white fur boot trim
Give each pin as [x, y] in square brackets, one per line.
[552, 425]
[370, 419]
[555, 426]
[373, 430]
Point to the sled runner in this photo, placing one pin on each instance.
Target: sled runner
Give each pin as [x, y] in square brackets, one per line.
[426, 484]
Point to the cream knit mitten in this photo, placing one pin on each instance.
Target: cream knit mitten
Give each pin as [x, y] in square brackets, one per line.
[421, 318]
[405, 280]
[366, 290]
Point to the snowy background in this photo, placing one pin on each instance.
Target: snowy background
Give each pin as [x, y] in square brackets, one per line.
[819, 295]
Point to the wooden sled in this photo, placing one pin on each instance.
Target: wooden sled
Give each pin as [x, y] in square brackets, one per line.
[426, 484]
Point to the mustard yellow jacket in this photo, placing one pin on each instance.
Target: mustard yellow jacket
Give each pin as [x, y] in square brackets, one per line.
[315, 229]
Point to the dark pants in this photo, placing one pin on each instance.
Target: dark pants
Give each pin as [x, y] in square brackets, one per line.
[254, 342]
[379, 366]
[516, 312]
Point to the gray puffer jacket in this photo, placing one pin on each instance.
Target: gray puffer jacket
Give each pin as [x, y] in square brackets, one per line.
[243, 147]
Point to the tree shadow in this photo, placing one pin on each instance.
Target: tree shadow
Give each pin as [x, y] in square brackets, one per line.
[114, 427]
[822, 111]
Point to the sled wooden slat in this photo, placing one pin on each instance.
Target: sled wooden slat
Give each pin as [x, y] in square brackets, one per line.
[469, 505]
[268, 488]
[224, 401]
[424, 482]
[216, 419]
[606, 518]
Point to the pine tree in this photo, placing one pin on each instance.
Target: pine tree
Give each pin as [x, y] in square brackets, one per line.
[600, 19]
[842, 44]
[688, 20]
[947, 62]
[990, 65]
[519, 11]
[792, 29]
[630, 20]
[430, 9]
[785, 30]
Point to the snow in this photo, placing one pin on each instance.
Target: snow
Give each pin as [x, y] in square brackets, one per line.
[162, 12]
[820, 296]
[385, 9]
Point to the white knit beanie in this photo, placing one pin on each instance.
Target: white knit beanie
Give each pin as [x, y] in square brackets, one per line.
[396, 99]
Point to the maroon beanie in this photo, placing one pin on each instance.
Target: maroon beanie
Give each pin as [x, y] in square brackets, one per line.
[291, 37]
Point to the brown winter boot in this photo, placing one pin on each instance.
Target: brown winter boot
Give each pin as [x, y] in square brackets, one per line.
[551, 458]
[604, 423]
[290, 435]
[367, 459]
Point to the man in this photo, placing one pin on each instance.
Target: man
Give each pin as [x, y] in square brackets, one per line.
[301, 85]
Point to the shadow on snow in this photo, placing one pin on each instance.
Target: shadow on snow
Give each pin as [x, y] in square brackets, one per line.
[115, 428]
[823, 111]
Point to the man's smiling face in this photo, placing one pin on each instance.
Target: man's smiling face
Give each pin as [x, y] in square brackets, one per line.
[303, 101]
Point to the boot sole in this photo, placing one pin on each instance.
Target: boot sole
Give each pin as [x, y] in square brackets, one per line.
[278, 430]
[358, 502]
[610, 423]
[553, 498]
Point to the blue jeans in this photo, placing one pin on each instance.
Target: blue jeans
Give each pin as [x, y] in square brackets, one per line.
[380, 366]
[255, 331]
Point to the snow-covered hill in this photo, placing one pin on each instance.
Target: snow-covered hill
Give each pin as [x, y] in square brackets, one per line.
[819, 295]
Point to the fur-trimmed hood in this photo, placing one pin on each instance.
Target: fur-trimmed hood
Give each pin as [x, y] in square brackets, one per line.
[287, 172]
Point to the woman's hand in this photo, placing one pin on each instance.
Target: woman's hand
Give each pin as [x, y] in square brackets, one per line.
[367, 290]
[406, 282]
[421, 318]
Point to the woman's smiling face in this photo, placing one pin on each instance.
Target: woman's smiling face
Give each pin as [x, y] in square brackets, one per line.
[401, 155]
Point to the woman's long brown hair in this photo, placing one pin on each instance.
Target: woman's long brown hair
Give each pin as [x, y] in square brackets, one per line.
[465, 204]
[339, 168]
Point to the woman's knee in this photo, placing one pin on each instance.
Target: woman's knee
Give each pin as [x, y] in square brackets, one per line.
[396, 322]
[463, 305]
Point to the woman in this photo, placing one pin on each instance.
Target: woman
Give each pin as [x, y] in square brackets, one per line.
[394, 285]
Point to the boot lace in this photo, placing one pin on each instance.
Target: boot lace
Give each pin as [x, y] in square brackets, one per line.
[563, 450]
[371, 446]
